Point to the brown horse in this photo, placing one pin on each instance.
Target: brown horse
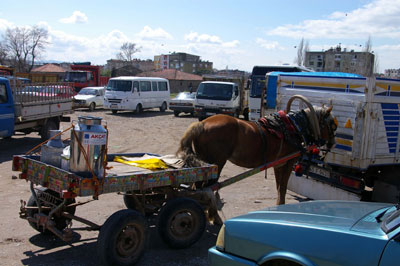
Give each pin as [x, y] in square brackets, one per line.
[248, 144]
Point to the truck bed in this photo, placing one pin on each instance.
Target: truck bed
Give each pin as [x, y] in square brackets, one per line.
[37, 101]
[367, 111]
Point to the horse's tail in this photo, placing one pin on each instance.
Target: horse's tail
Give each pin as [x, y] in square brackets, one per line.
[185, 151]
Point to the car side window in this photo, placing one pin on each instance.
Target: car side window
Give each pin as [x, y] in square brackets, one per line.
[135, 86]
[154, 86]
[3, 94]
[145, 86]
[162, 86]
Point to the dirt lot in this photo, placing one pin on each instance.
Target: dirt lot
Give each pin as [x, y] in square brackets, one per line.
[152, 132]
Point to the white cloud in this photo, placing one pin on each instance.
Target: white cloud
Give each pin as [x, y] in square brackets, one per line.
[202, 38]
[4, 24]
[377, 19]
[269, 45]
[154, 34]
[76, 17]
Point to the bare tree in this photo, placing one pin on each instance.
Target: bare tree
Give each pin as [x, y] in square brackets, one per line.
[302, 48]
[128, 49]
[369, 58]
[368, 45]
[23, 45]
[3, 54]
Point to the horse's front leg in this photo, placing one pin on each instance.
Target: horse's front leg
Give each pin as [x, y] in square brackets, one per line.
[282, 174]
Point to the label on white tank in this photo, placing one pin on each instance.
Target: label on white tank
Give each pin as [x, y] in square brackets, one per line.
[92, 138]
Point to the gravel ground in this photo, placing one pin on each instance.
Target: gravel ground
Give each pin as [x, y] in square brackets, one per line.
[151, 132]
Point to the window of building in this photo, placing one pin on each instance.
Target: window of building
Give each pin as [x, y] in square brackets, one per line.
[319, 64]
[194, 65]
[182, 64]
[311, 63]
[338, 56]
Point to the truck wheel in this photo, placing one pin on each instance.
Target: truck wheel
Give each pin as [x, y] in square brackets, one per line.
[176, 113]
[139, 108]
[181, 222]
[49, 125]
[92, 107]
[122, 238]
[60, 221]
[114, 111]
[163, 107]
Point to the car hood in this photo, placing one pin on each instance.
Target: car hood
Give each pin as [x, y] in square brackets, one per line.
[83, 97]
[340, 215]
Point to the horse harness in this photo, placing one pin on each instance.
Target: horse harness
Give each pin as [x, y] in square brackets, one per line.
[292, 128]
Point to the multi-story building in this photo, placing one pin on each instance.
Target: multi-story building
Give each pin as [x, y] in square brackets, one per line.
[392, 73]
[338, 60]
[143, 65]
[183, 62]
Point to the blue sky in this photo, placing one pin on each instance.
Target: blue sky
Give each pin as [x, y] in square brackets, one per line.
[234, 34]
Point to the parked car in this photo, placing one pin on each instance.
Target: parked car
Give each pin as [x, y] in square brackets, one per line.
[90, 97]
[183, 103]
[312, 233]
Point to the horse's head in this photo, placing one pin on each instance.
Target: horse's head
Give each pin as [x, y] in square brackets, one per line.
[327, 125]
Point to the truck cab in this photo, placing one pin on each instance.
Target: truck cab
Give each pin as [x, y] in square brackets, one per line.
[217, 97]
[6, 109]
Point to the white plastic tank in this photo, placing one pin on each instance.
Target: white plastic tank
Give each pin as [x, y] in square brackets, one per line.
[52, 150]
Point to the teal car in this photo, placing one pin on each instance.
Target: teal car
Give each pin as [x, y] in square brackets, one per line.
[311, 233]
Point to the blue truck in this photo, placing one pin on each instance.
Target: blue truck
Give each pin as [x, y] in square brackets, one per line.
[30, 108]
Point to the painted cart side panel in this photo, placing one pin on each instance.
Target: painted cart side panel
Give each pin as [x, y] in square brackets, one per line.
[58, 179]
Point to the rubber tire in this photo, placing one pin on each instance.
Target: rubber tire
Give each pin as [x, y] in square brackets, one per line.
[114, 111]
[92, 106]
[139, 109]
[61, 222]
[176, 113]
[194, 220]
[112, 231]
[163, 107]
[50, 125]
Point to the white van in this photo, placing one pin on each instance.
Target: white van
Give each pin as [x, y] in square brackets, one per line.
[136, 93]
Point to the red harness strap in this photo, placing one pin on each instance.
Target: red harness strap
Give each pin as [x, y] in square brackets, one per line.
[285, 119]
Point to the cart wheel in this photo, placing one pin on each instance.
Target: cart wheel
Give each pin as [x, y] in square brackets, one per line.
[181, 222]
[60, 221]
[122, 238]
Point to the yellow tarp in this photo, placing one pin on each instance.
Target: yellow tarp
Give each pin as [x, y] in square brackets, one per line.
[150, 163]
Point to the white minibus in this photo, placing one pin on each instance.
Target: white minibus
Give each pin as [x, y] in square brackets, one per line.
[136, 94]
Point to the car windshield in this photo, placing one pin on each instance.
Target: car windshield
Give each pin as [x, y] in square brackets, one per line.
[119, 85]
[391, 222]
[87, 92]
[214, 91]
[185, 95]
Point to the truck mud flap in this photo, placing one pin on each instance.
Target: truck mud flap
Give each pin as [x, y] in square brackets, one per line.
[317, 190]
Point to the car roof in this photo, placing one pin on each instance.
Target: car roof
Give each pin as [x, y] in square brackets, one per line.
[94, 88]
[219, 82]
[139, 78]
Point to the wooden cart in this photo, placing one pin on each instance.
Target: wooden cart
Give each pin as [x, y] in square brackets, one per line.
[180, 197]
